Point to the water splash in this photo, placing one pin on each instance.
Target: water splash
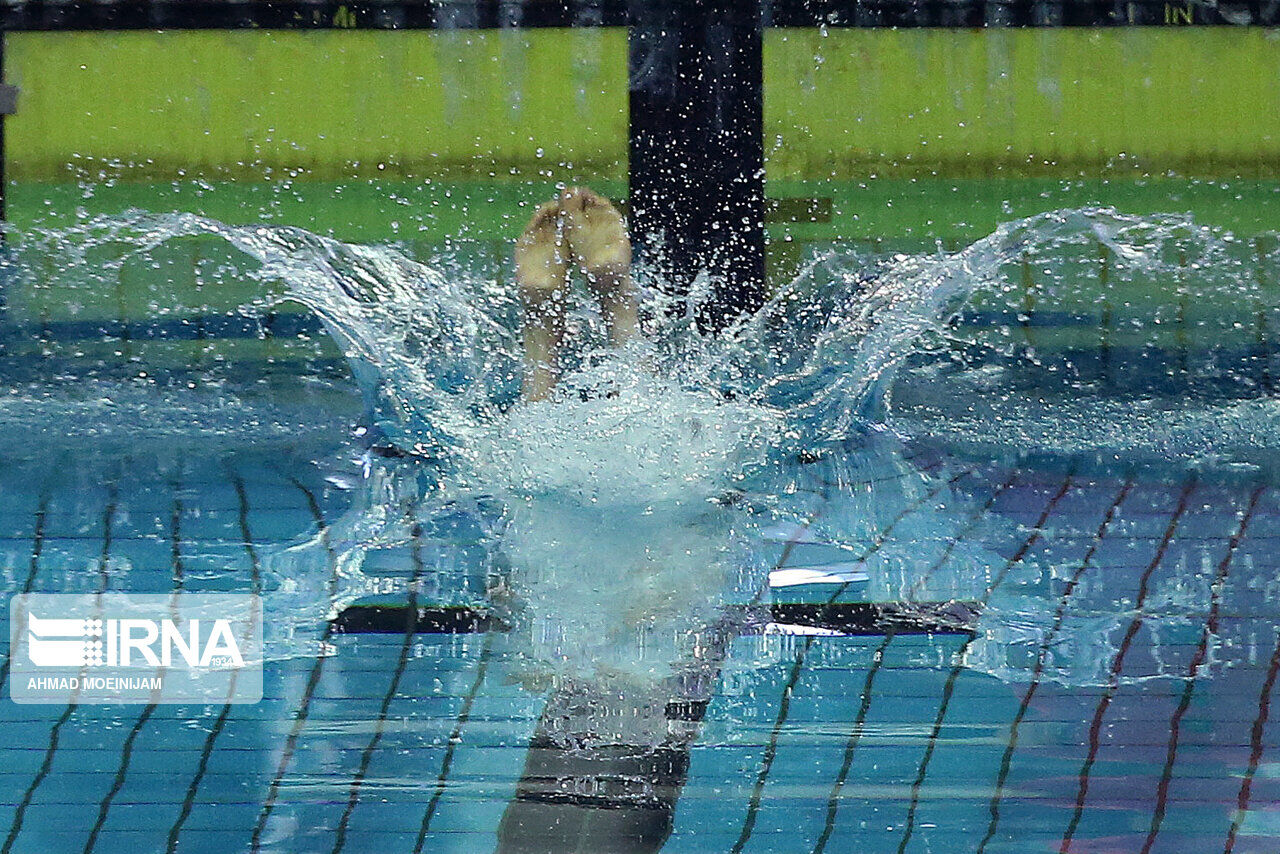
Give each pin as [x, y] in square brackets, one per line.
[435, 348]
[648, 461]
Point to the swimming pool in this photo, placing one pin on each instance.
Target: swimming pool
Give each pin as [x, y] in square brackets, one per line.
[992, 570]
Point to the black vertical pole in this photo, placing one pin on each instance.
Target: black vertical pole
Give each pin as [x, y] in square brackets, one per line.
[697, 147]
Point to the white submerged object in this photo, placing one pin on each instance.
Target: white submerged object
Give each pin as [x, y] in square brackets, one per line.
[800, 631]
[834, 573]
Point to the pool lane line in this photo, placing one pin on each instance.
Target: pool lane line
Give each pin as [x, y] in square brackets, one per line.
[41, 774]
[871, 481]
[948, 689]
[126, 752]
[108, 522]
[881, 538]
[455, 738]
[175, 537]
[1255, 750]
[1042, 656]
[37, 547]
[1117, 663]
[833, 800]
[366, 757]
[108, 519]
[960, 536]
[784, 705]
[246, 536]
[313, 678]
[1198, 658]
[188, 801]
[878, 541]
[1262, 338]
[771, 748]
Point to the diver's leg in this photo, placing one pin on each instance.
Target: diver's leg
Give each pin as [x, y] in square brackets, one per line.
[597, 237]
[544, 321]
[617, 297]
[542, 276]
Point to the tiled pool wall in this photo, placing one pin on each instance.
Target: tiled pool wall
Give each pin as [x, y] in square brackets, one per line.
[889, 741]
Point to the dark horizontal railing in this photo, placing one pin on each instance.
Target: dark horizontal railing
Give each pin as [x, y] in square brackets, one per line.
[46, 15]
[846, 618]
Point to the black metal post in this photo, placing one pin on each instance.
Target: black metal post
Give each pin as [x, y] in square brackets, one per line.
[697, 147]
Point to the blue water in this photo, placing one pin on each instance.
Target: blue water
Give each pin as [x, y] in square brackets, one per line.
[1107, 511]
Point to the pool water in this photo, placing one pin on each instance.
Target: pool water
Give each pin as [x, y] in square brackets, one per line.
[1037, 526]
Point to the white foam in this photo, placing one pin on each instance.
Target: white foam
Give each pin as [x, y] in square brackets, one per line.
[644, 440]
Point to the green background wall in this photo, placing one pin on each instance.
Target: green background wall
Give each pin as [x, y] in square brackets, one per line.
[847, 103]
[839, 103]
[253, 104]
[915, 135]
